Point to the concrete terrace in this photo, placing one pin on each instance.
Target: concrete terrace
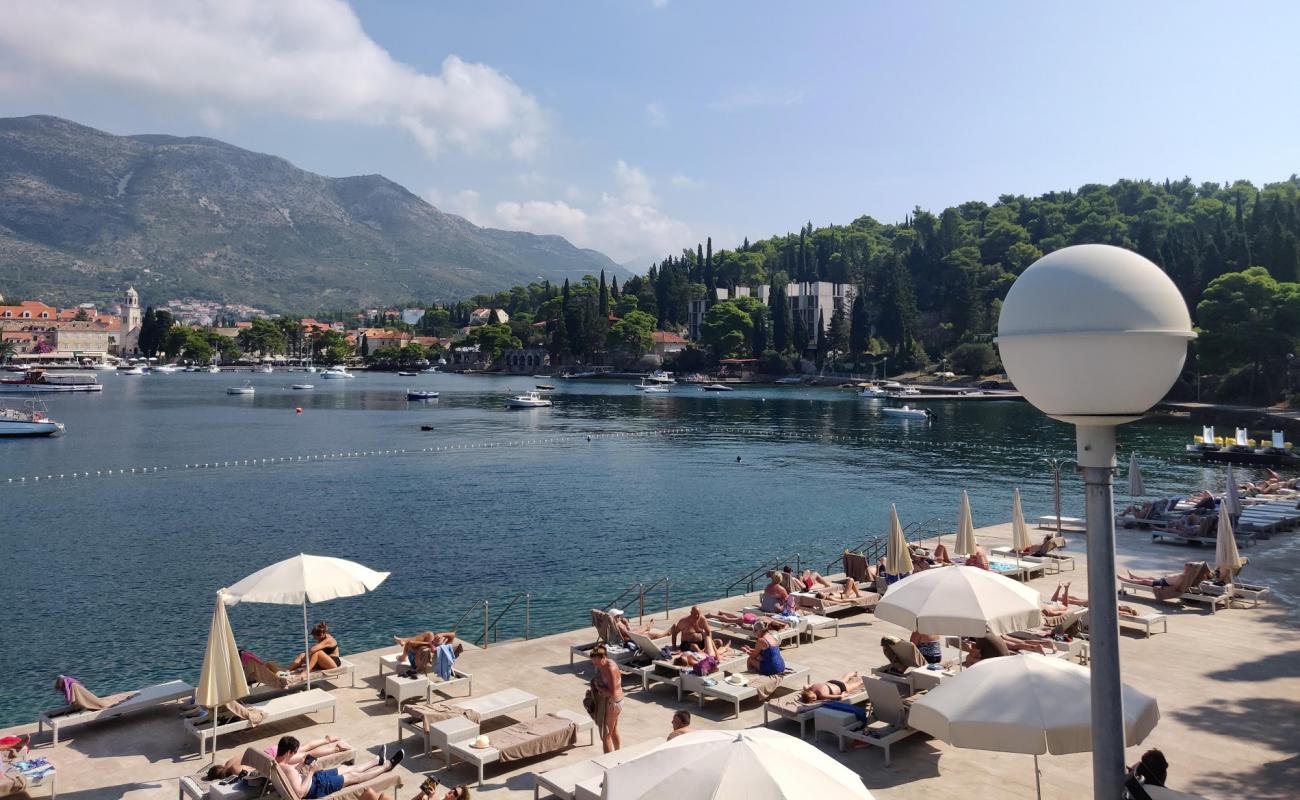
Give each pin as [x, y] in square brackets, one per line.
[1228, 686]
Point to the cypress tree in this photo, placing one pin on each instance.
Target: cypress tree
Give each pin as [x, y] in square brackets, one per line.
[781, 324]
[859, 325]
[708, 256]
[613, 287]
[760, 331]
[821, 339]
[604, 296]
[799, 336]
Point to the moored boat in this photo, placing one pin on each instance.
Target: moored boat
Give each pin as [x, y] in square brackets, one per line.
[418, 394]
[407, 374]
[528, 400]
[873, 392]
[38, 380]
[303, 386]
[907, 412]
[30, 420]
[247, 388]
[716, 387]
[336, 373]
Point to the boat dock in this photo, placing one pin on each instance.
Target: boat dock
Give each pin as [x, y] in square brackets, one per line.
[1228, 690]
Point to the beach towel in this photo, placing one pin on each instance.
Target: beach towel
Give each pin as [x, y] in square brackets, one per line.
[253, 716]
[1181, 582]
[606, 629]
[429, 713]
[446, 658]
[79, 698]
[765, 685]
[848, 708]
[12, 783]
[546, 734]
[902, 655]
[855, 566]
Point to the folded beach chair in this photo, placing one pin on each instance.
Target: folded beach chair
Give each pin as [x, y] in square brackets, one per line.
[887, 723]
[264, 764]
[262, 712]
[547, 734]
[436, 723]
[94, 709]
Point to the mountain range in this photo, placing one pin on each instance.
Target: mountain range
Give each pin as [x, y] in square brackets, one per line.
[83, 213]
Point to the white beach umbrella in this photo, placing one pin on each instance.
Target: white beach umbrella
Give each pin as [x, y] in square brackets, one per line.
[1232, 496]
[898, 561]
[1024, 704]
[221, 680]
[1020, 540]
[305, 579]
[960, 601]
[966, 543]
[749, 764]
[1226, 555]
[1135, 487]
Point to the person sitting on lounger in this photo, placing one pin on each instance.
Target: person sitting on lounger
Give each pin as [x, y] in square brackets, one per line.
[851, 683]
[692, 629]
[627, 629]
[319, 748]
[1042, 548]
[928, 644]
[941, 554]
[321, 656]
[772, 600]
[979, 559]
[765, 656]
[307, 781]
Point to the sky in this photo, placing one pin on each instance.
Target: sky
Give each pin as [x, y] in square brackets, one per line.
[640, 127]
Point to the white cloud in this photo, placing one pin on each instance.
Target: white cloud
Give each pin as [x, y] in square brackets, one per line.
[659, 3]
[681, 181]
[303, 58]
[655, 115]
[756, 97]
[626, 223]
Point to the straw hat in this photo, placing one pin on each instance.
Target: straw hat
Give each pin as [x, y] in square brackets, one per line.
[481, 743]
[736, 679]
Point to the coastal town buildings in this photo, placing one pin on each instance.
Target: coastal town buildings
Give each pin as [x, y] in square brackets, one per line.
[810, 301]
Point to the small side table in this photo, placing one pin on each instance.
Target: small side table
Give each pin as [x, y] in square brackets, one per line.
[813, 623]
[401, 688]
[239, 790]
[833, 722]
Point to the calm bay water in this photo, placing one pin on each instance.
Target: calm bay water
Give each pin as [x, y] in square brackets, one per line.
[112, 579]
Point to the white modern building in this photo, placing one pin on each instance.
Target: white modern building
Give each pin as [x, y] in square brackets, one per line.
[809, 301]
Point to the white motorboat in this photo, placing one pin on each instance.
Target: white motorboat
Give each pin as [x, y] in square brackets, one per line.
[657, 390]
[421, 394]
[38, 380]
[643, 385]
[904, 391]
[907, 412]
[303, 386]
[212, 368]
[30, 420]
[105, 367]
[408, 374]
[336, 373]
[165, 369]
[265, 369]
[430, 371]
[190, 369]
[247, 388]
[873, 391]
[659, 376]
[545, 387]
[716, 387]
[528, 400]
[138, 369]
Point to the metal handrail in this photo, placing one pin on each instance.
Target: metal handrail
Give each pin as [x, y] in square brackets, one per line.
[528, 612]
[762, 569]
[637, 587]
[484, 603]
[874, 547]
[646, 590]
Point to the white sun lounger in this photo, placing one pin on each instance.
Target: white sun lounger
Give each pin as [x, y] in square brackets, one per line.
[562, 782]
[279, 708]
[466, 732]
[488, 706]
[790, 707]
[887, 709]
[149, 697]
[722, 690]
[394, 662]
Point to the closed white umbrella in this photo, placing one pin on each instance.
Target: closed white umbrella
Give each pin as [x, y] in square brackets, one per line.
[221, 680]
[1232, 497]
[1135, 487]
[1024, 704]
[1227, 558]
[749, 764]
[898, 561]
[960, 601]
[305, 579]
[1020, 540]
[966, 543]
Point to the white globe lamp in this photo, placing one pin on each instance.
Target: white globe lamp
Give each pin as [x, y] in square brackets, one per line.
[1095, 335]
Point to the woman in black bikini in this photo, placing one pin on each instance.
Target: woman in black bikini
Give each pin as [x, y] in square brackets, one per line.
[323, 655]
[832, 689]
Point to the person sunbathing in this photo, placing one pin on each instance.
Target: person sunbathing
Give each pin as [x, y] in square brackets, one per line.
[318, 749]
[746, 619]
[851, 683]
[844, 594]
[411, 644]
[306, 780]
[772, 600]
[627, 629]
[941, 554]
[984, 648]
[1061, 602]
[1042, 548]
[812, 579]
[979, 559]
[1028, 642]
[692, 629]
[323, 655]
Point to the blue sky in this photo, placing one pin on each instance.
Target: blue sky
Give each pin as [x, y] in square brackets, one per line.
[641, 127]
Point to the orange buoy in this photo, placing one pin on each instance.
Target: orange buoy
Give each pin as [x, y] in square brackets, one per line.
[298, 410]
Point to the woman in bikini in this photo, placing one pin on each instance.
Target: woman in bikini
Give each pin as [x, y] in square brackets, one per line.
[851, 683]
[608, 688]
[323, 655]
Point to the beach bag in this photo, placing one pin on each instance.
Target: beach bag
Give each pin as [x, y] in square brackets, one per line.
[705, 666]
[589, 702]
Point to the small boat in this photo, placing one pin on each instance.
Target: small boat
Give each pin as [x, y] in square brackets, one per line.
[165, 369]
[658, 390]
[541, 376]
[426, 427]
[30, 420]
[545, 387]
[716, 387]
[38, 380]
[643, 385]
[303, 386]
[265, 369]
[907, 412]
[104, 367]
[791, 381]
[904, 391]
[190, 369]
[430, 371]
[136, 370]
[408, 374]
[873, 391]
[212, 368]
[659, 376]
[528, 400]
[336, 373]
[417, 394]
[247, 388]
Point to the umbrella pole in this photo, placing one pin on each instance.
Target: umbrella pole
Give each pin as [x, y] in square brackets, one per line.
[306, 648]
[214, 736]
[1038, 782]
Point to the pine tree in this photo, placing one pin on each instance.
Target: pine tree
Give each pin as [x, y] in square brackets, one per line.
[558, 346]
[147, 339]
[837, 335]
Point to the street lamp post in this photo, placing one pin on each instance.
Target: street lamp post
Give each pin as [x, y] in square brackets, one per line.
[1094, 335]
